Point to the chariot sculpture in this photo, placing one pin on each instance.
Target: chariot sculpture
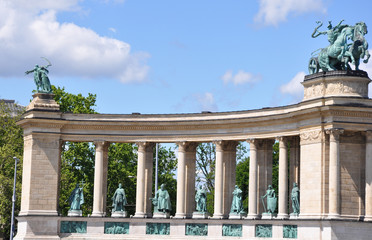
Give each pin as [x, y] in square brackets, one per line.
[347, 45]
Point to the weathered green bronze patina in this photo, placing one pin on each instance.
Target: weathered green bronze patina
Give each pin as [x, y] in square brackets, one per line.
[295, 196]
[158, 228]
[119, 200]
[237, 202]
[76, 198]
[347, 45]
[73, 227]
[116, 228]
[289, 231]
[41, 78]
[161, 201]
[264, 230]
[232, 230]
[201, 200]
[195, 229]
[270, 199]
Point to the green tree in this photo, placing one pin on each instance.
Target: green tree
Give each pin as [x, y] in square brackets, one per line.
[205, 168]
[122, 168]
[11, 145]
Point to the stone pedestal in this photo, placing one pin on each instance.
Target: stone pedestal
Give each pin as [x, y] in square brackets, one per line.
[200, 215]
[336, 83]
[119, 214]
[43, 101]
[294, 216]
[161, 215]
[75, 213]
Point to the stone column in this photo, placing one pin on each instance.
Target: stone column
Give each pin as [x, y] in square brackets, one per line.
[368, 172]
[41, 174]
[265, 169]
[294, 161]
[334, 172]
[185, 179]
[283, 179]
[252, 191]
[144, 179]
[100, 183]
[225, 173]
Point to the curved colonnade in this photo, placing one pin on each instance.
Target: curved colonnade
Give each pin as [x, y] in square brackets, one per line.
[329, 135]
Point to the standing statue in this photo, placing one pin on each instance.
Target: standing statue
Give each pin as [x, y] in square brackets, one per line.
[347, 45]
[237, 202]
[295, 196]
[161, 200]
[41, 78]
[119, 200]
[76, 198]
[201, 200]
[270, 199]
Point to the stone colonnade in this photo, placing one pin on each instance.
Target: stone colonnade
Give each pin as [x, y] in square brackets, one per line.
[40, 197]
[260, 176]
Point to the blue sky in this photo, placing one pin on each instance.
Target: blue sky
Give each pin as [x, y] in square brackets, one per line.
[168, 56]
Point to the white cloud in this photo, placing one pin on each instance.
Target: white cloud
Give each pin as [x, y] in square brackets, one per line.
[206, 102]
[368, 68]
[272, 12]
[239, 78]
[294, 87]
[29, 30]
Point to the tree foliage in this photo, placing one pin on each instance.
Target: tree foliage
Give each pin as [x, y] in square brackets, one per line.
[11, 145]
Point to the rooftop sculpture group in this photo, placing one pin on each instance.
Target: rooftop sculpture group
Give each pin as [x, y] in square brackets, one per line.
[346, 45]
[41, 78]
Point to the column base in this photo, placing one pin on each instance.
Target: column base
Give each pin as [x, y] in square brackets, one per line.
[140, 215]
[180, 215]
[97, 214]
[252, 216]
[218, 216]
[268, 216]
[282, 216]
[333, 216]
[368, 218]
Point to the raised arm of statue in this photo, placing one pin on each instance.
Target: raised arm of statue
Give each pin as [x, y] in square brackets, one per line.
[316, 32]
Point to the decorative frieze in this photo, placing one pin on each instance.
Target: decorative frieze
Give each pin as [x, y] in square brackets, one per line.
[312, 136]
[73, 227]
[264, 230]
[116, 228]
[195, 229]
[289, 231]
[158, 228]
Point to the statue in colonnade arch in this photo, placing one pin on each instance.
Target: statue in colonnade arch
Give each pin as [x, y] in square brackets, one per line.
[237, 202]
[271, 200]
[295, 196]
[201, 200]
[161, 201]
[119, 200]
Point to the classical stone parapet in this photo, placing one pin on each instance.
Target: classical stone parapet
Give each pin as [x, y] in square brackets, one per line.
[336, 83]
[43, 101]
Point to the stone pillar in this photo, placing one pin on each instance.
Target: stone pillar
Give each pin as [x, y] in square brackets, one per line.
[334, 172]
[100, 182]
[144, 179]
[41, 174]
[368, 172]
[252, 191]
[283, 179]
[185, 179]
[294, 161]
[265, 169]
[225, 174]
